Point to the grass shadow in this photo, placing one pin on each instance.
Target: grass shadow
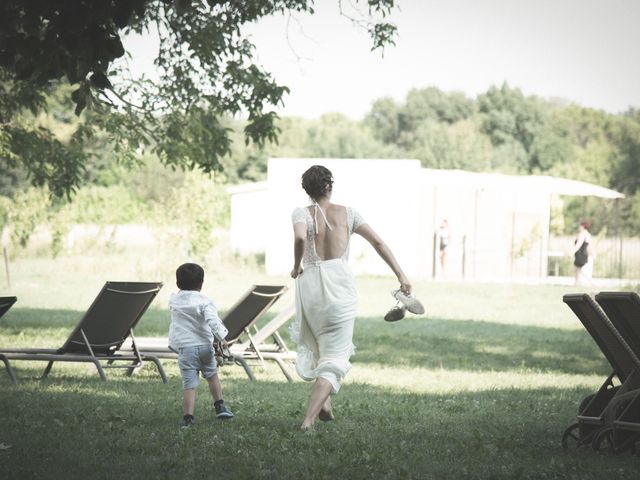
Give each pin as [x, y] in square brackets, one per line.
[413, 342]
[131, 424]
[26, 321]
[476, 346]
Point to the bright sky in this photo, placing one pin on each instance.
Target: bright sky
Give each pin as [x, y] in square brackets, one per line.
[579, 50]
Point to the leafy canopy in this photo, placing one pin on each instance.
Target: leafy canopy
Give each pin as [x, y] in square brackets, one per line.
[206, 71]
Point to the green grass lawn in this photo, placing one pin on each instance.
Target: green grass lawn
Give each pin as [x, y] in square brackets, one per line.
[482, 386]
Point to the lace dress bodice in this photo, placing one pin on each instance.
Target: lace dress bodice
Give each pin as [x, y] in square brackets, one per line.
[303, 215]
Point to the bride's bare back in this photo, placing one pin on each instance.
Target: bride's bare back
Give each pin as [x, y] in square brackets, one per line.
[332, 243]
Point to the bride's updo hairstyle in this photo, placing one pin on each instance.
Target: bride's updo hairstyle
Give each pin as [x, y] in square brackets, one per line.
[317, 181]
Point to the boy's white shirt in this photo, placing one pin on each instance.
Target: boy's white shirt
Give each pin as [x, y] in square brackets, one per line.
[194, 320]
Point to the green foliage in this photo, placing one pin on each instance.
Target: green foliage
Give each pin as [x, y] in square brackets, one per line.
[430, 144]
[633, 222]
[595, 210]
[384, 120]
[505, 131]
[11, 179]
[5, 207]
[626, 168]
[456, 146]
[152, 182]
[511, 118]
[433, 104]
[585, 125]
[525, 243]
[331, 136]
[548, 149]
[200, 144]
[29, 209]
[105, 206]
[500, 131]
[197, 207]
[48, 161]
[556, 217]
[47, 146]
[206, 71]
[191, 203]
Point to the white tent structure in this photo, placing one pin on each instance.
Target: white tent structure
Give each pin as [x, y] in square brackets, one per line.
[499, 223]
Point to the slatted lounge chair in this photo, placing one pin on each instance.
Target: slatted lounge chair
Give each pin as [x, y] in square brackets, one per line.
[598, 411]
[623, 309]
[258, 347]
[239, 320]
[6, 303]
[98, 336]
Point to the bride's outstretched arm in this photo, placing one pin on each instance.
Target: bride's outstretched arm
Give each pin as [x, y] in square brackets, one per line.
[385, 253]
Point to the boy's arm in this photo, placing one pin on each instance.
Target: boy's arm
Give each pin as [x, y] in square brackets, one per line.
[216, 325]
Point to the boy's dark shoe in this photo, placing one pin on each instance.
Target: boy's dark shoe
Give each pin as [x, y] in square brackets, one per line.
[188, 420]
[223, 413]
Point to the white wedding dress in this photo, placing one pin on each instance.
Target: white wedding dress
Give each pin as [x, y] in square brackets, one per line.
[326, 304]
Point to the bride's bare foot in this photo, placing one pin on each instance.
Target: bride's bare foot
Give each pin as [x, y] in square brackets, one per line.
[326, 412]
[307, 428]
[326, 416]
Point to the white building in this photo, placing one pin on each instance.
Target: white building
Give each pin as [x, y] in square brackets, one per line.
[499, 224]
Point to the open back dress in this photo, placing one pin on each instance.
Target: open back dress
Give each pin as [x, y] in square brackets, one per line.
[326, 303]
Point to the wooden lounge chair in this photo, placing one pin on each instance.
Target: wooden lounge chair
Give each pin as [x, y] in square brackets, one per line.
[6, 303]
[597, 412]
[98, 336]
[240, 319]
[623, 309]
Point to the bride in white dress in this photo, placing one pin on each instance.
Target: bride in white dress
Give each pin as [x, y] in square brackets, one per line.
[326, 298]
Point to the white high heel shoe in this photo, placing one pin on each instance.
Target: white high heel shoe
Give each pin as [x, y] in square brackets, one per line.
[410, 302]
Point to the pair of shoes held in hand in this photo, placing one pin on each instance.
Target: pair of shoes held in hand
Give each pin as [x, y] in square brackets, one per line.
[405, 303]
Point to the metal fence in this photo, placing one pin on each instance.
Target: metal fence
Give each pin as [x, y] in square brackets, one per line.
[615, 257]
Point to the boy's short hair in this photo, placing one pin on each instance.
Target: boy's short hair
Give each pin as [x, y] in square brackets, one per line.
[189, 276]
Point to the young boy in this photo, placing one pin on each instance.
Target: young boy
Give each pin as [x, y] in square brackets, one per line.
[194, 325]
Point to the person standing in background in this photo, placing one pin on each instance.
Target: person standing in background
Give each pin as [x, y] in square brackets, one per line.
[583, 254]
[444, 237]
